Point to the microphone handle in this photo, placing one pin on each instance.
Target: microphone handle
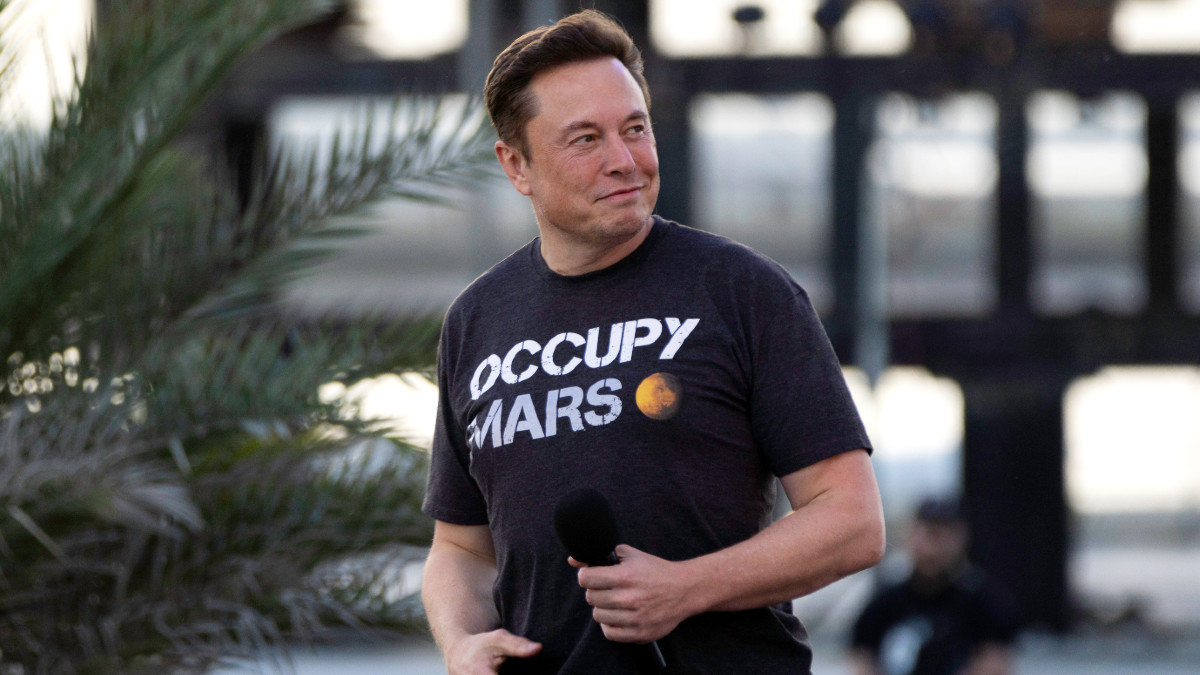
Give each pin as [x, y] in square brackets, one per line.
[655, 652]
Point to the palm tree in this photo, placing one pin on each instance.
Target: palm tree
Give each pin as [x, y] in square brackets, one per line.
[173, 490]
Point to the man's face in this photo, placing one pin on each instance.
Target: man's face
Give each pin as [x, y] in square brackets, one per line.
[937, 548]
[591, 170]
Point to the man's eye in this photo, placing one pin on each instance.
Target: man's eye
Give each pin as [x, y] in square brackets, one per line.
[586, 138]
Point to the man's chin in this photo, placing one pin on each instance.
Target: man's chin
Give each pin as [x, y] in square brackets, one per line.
[633, 218]
[629, 226]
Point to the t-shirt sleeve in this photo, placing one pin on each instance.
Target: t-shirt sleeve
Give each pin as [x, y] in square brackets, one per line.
[801, 409]
[452, 495]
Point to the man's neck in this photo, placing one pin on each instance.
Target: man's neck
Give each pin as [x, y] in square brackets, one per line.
[573, 258]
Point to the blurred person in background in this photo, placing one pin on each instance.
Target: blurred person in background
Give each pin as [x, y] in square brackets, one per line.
[947, 617]
[704, 374]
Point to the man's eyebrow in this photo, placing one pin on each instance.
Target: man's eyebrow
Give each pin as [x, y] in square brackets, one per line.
[579, 125]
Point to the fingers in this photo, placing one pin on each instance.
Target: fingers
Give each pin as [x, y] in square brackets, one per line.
[623, 551]
[622, 626]
[606, 576]
[634, 600]
[484, 653]
[508, 645]
[606, 598]
[613, 617]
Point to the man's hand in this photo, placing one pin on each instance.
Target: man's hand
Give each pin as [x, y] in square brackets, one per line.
[457, 590]
[482, 654]
[639, 599]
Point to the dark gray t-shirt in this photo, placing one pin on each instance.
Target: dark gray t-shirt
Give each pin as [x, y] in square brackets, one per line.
[677, 382]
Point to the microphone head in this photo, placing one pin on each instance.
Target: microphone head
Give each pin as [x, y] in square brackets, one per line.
[585, 524]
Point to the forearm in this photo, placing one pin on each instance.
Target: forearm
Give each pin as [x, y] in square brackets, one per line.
[457, 591]
[825, 540]
[835, 529]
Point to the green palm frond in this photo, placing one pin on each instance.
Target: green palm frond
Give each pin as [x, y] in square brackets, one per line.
[12, 46]
[420, 147]
[150, 67]
[173, 490]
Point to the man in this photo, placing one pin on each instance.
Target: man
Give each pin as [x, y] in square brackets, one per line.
[671, 370]
[946, 618]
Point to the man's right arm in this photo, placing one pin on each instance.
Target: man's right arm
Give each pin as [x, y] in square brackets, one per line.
[457, 591]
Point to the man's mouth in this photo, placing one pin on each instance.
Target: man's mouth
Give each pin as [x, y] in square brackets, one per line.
[623, 192]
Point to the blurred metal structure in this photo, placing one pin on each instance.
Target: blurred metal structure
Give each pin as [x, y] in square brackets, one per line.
[1013, 364]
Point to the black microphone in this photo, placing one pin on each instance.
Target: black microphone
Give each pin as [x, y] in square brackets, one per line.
[585, 524]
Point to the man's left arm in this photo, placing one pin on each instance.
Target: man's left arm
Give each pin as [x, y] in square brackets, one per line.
[835, 529]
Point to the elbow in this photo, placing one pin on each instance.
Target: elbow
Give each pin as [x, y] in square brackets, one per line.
[867, 552]
[871, 542]
[872, 535]
[876, 546]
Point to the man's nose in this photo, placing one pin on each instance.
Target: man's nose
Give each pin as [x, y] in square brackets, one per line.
[618, 158]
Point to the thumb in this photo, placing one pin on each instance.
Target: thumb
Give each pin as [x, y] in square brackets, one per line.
[507, 644]
[624, 551]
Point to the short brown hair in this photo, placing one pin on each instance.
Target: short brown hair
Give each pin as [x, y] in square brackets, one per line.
[583, 36]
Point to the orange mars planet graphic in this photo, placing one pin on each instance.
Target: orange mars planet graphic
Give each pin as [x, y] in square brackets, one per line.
[660, 396]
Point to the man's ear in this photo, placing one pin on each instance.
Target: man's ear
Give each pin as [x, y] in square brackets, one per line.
[513, 163]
